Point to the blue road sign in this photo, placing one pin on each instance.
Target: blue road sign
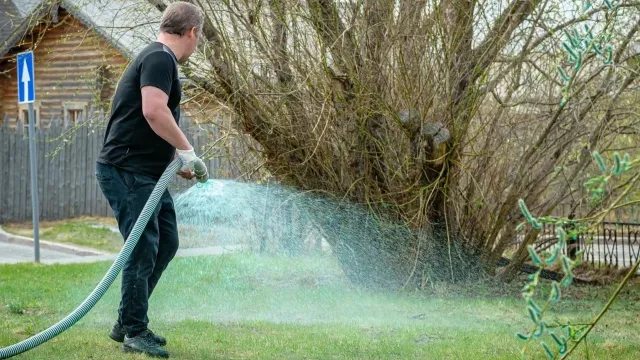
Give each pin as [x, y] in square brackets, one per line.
[26, 78]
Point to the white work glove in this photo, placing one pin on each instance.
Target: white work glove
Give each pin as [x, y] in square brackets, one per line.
[188, 158]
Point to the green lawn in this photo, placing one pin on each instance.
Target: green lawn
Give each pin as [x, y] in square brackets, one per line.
[87, 232]
[257, 307]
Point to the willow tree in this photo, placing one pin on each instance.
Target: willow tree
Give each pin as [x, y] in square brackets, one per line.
[438, 115]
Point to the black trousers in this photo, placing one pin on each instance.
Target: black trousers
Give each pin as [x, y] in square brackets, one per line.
[127, 194]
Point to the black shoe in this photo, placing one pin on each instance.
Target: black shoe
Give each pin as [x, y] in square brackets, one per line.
[118, 333]
[144, 343]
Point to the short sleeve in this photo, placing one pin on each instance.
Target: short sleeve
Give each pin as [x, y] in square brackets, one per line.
[156, 69]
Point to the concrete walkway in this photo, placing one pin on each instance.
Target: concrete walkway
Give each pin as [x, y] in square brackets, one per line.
[18, 253]
[11, 253]
[19, 249]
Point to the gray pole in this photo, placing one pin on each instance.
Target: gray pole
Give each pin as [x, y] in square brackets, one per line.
[34, 182]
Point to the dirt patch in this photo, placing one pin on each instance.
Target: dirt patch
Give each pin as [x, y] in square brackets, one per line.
[602, 276]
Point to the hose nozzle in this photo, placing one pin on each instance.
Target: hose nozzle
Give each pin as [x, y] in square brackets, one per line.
[200, 169]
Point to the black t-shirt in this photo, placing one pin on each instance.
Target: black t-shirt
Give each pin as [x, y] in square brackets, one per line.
[129, 142]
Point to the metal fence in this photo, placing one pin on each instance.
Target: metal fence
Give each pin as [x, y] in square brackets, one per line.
[611, 244]
[66, 182]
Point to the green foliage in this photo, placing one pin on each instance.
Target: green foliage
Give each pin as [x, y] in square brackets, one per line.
[609, 55]
[596, 187]
[533, 316]
[554, 256]
[600, 161]
[533, 221]
[534, 256]
[586, 6]
[562, 236]
[617, 168]
[15, 308]
[578, 46]
[536, 312]
[525, 211]
[555, 293]
[534, 306]
[563, 74]
[609, 4]
[542, 326]
[547, 350]
[570, 50]
[597, 192]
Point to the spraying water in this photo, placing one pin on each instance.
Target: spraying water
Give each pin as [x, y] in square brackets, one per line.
[311, 243]
[262, 218]
[277, 219]
[372, 251]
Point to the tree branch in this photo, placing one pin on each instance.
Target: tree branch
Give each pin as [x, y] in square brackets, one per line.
[485, 53]
[253, 116]
[336, 37]
[550, 32]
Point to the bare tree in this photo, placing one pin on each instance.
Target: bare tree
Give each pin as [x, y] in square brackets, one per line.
[438, 115]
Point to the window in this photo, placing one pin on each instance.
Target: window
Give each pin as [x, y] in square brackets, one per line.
[23, 113]
[74, 115]
[74, 112]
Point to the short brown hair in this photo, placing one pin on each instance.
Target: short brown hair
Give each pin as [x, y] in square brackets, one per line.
[179, 17]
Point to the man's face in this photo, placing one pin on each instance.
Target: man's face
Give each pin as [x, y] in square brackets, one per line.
[191, 43]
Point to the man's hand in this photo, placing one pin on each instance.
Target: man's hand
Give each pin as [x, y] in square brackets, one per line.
[188, 157]
[192, 164]
[186, 174]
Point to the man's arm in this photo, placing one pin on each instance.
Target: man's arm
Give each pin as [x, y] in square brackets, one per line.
[159, 117]
[156, 73]
[156, 78]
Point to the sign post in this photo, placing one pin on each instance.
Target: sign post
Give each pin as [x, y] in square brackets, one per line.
[27, 95]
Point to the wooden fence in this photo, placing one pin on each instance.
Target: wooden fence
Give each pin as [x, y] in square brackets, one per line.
[66, 170]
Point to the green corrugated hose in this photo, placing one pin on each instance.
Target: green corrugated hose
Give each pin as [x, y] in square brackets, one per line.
[116, 267]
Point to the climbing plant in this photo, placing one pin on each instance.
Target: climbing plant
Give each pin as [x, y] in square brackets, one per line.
[564, 336]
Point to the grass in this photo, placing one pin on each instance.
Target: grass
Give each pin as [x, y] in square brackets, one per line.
[246, 306]
[86, 232]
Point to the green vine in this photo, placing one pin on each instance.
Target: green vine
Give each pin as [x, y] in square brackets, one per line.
[579, 45]
[563, 337]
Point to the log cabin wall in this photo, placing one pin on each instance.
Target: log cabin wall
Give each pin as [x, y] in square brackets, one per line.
[75, 70]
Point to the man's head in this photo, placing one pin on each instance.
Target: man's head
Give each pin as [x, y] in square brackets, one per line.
[182, 21]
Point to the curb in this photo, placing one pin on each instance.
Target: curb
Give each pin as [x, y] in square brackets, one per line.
[63, 248]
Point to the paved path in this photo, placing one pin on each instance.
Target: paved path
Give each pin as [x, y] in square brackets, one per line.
[18, 253]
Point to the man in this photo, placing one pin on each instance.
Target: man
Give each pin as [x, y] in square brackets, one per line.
[142, 138]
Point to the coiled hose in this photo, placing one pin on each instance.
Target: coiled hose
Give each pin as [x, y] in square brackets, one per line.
[114, 270]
